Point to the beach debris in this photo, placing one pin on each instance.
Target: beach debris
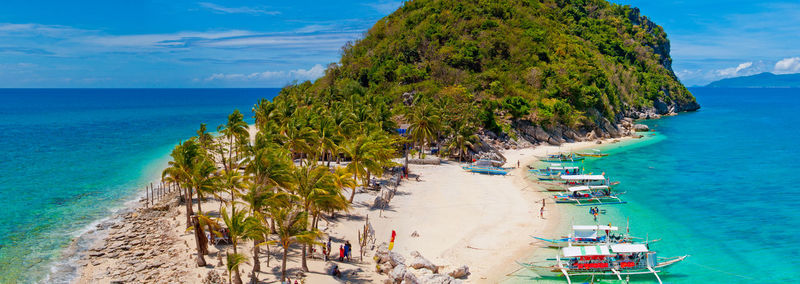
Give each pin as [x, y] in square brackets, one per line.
[419, 262]
[415, 234]
[460, 272]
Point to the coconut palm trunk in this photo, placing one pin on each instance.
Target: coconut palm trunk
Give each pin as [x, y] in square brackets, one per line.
[256, 263]
[283, 264]
[200, 241]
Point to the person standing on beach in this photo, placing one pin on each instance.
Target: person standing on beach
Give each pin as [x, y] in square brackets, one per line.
[329, 247]
[341, 253]
[542, 202]
[541, 212]
[348, 249]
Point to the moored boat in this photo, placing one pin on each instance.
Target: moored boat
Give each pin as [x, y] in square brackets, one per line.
[590, 235]
[586, 195]
[614, 260]
[595, 153]
[486, 170]
[561, 157]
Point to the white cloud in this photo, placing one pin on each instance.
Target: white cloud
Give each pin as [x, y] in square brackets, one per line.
[385, 7]
[734, 71]
[299, 74]
[788, 65]
[237, 10]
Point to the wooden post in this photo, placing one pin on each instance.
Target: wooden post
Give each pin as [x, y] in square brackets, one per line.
[151, 194]
[146, 197]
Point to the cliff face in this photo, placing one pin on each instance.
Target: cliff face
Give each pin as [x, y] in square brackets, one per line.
[568, 68]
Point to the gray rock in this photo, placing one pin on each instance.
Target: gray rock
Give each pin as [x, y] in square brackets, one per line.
[419, 262]
[398, 273]
[460, 272]
[641, 128]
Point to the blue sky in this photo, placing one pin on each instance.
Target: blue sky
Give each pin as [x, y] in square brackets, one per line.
[247, 43]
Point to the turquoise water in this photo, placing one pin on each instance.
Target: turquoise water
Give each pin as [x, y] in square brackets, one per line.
[71, 157]
[719, 184]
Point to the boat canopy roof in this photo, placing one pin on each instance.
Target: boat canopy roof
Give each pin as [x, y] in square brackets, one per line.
[628, 248]
[583, 177]
[563, 168]
[585, 251]
[594, 228]
[586, 187]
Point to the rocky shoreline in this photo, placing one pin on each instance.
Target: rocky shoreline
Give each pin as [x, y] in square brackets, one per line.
[140, 247]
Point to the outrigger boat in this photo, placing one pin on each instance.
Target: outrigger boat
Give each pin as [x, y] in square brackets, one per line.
[595, 153]
[578, 187]
[590, 235]
[586, 195]
[612, 260]
[486, 170]
[554, 171]
[561, 157]
[585, 179]
[488, 167]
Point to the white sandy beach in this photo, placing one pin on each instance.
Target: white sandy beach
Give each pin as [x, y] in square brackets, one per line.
[461, 218]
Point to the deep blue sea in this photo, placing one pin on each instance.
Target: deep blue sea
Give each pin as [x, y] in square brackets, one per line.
[719, 184]
[71, 157]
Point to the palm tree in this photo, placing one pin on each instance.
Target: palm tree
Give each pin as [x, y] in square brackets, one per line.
[325, 137]
[368, 154]
[309, 183]
[185, 158]
[298, 138]
[238, 227]
[204, 138]
[231, 181]
[292, 227]
[202, 180]
[463, 138]
[235, 130]
[424, 125]
[256, 199]
[232, 264]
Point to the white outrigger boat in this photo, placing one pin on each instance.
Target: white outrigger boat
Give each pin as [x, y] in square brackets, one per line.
[591, 235]
[589, 195]
[555, 171]
[585, 179]
[612, 260]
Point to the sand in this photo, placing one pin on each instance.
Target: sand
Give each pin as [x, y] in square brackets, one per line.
[481, 221]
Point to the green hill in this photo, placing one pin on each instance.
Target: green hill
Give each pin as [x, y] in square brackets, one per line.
[762, 80]
[579, 65]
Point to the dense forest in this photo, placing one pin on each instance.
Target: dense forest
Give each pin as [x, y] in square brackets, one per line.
[487, 64]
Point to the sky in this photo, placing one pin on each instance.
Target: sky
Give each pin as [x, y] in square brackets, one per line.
[249, 43]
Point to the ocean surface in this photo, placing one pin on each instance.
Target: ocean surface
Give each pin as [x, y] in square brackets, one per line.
[71, 157]
[719, 184]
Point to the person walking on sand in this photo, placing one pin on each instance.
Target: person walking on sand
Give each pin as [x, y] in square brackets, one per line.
[542, 202]
[541, 213]
[518, 164]
[341, 253]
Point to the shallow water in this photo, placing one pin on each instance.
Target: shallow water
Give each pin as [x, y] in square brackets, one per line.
[71, 157]
[718, 184]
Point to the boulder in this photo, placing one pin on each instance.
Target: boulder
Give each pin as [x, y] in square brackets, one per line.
[437, 279]
[396, 259]
[410, 278]
[419, 262]
[398, 273]
[641, 128]
[460, 272]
